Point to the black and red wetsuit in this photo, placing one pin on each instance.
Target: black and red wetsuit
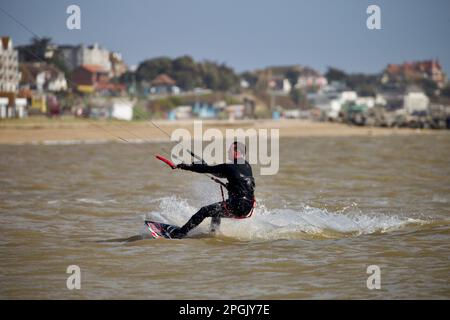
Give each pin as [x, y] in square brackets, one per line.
[240, 186]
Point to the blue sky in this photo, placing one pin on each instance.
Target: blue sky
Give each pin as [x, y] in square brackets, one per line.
[246, 34]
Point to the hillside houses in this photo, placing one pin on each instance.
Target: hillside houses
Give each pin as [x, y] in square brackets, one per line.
[414, 71]
[94, 78]
[11, 105]
[41, 76]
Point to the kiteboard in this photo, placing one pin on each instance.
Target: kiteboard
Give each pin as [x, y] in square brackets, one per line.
[160, 230]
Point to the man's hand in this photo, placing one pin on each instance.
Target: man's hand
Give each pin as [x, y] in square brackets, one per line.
[182, 166]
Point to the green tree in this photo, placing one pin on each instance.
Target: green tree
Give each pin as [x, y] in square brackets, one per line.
[298, 96]
[366, 90]
[140, 112]
[292, 76]
[250, 77]
[184, 63]
[189, 74]
[185, 79]
[211, 79]
[228, 79]
[149, 69]
[37, 50]
[334, 74]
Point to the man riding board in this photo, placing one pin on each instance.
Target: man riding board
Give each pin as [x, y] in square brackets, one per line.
[240, 186]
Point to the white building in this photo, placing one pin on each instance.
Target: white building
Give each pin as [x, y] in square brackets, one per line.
[415, 101]
[369, 102]
[292, 114]
[310, 78]
[281, 85]
[330, 103]
[18, 110]
[41, 76]
[245, 84]
[75, 56]
[118, 66]
[122, 109]
[20, 107]
[348, 96]
[9, 66]
[4, 107]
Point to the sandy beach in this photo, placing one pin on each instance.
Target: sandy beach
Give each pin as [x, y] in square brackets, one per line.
[47, 131]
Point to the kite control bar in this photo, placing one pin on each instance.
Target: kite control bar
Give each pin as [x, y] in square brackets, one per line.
[174, 166]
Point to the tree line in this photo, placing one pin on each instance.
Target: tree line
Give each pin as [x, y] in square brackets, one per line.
[190, 74]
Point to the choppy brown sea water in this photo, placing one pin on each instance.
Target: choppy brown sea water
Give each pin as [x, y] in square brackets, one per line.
[336, 206]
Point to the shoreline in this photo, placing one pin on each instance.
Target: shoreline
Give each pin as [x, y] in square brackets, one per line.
[78, 131]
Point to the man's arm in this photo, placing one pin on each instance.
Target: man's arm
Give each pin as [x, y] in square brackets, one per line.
[219, 170]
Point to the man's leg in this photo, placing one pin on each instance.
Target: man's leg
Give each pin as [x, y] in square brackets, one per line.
[215, 225]
[213, 210]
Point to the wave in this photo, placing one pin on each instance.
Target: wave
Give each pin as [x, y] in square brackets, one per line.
[276, 224]
[95, 201]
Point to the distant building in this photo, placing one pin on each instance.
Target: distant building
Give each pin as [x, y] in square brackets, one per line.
[280, 84]
[282, 78]
[75, 56]
[71, 55]
[393, 99]
[163, 84]
[310, 78]
[38, 103]
[428, 69]
[348, 96]
[331, 103]
[4, 102]
[122, 109]
[109, 108]
[12, 106]
[87, 77]
[9, 66]
[335, 86]
[118, 66]
[93, 78]
[415, 101]
[368, 102]
[180, 113]
[244, 84]
[204, 110]
[41, 76]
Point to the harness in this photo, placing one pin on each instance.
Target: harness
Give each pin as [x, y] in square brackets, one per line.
[229, 214]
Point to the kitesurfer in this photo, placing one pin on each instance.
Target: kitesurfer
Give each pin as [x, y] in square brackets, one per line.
[240, 186]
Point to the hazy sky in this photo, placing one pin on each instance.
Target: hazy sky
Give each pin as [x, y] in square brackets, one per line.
[246, 34]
